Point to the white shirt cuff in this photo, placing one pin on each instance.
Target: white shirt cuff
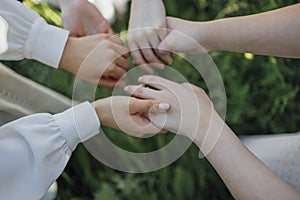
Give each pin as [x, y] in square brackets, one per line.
[46, 43]
[78, 124]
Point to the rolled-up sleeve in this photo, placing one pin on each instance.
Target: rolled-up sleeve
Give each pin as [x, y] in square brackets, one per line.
[29, 36]
[34, 150]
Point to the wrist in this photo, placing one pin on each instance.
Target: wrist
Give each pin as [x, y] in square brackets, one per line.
[69, 60]
[205, 35]
[208, 135]
[101, 111]
[214, 35]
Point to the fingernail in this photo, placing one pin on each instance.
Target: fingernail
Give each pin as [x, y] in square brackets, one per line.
[140, 79]
[126, 88]
[163, 106]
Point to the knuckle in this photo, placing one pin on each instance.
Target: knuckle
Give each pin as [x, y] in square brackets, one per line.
[132, 103]
[110, 70]
[139, 35]
[149, 57]
[149, 104]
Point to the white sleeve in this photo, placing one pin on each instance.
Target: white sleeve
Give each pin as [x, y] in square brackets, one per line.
[29, 36]
[34, 150]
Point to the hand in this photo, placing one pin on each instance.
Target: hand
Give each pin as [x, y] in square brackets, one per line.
[82, 18]
[98, 59]
[146, 30]
[191, 109]
[128, 114]
[186, 36]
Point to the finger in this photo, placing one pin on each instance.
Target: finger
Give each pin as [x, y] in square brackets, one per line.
[136, 54]
[114, 72]
[149, 55]
[165, 56]
[109, 83]
[120, 49]
[141, 92]
[122, 62]
[169, 44]
[150, 128]
[110, 31]
[146, 68]
[126, 55]
[116, 39]
[163, 32]
[156, 82]
[144, 106]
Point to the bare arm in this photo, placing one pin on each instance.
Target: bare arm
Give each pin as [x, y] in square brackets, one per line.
[245, 176]
[192, 112]
[273, 33]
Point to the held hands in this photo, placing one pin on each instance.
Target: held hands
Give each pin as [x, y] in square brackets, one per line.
[82, 18]
[186, 36]
[128, 114]
[146, 30]
[99, 59]
[191, 109]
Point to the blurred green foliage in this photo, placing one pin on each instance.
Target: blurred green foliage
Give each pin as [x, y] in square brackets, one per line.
[262, 94]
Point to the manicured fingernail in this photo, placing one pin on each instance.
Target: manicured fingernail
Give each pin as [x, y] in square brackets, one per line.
[126, 88]
[140, 79]
[163, 106]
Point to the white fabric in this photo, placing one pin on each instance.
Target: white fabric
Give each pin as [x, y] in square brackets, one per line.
[29, 36]
[34, 150]
[281, 153]
[3, 35]
[20, 96]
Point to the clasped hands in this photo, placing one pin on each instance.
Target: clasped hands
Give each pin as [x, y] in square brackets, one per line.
[101, 59]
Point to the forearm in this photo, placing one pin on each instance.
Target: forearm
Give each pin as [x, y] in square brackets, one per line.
[271, 33]
[245, 176]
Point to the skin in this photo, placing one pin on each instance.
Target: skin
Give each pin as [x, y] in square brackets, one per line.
[82, 57]
[82, 18]
[241, 171]
[128, 114]
[145, 32]
[273, 33]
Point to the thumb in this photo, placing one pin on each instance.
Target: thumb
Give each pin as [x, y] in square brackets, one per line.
[169, 43]
[138, 105]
